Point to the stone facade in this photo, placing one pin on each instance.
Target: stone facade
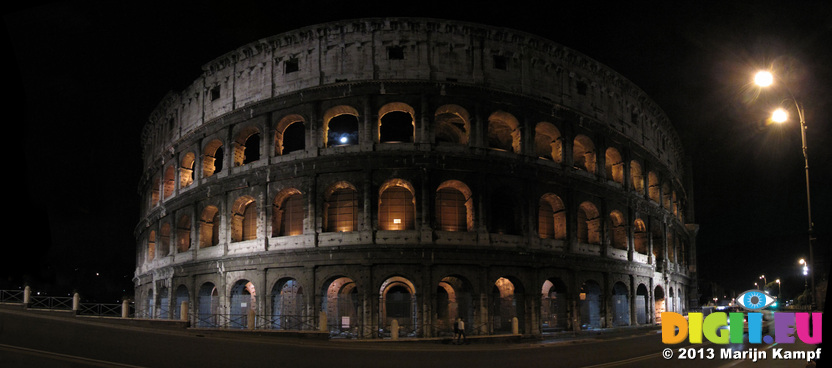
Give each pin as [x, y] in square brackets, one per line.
[418, 170]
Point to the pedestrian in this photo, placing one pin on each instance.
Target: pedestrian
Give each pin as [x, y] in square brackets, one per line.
[456, 330]
[460, 326]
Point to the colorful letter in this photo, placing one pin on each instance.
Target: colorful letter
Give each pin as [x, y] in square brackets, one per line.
[671, 321]
[736, 327]
[802, 327]
[695, 327]
[755, 328]
[712, 325]
[784, 328]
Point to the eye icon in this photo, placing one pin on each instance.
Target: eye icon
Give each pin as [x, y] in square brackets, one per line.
[755, 299]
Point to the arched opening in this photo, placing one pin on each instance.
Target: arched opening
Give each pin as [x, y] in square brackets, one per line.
[183, 234]
[666, 196]
[341, 208]
[181, 296]
[671, 300]
[290, 135]
[151, 245]
[244, 219]
[554, 309]
[583, 153]
[287, 214]
[340, 126]
[642, 298]
[659, 303]
[243, 300]
[212, 161]
[170, 181]
[163, 302]
[451, 125]
[209, 227]
[619, 230]
[507, 303]
[614, 166]
[637, 177]
[289, 307]
[653, 187]
[503, 132]
[506, 214]
[342, 307]
[247, 146]
[590, 297]
[398, 302]
[640, 237]
[551, 216]
[548, 142]
[186, 171]
[396, 206]
[671, 248]
[163, 247]
[453, 300]
[154, 191]
[454, 206]
[620, 305]
[396, 123]
[589, 224]
[208, 305]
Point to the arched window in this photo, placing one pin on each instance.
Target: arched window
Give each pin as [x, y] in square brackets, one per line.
[614, 166]
[548, 142]
[589, 224]
[288, 213]
[666, 196]
[341, 208]
[340, 126]
[151, 245]
[503, 132]
[583, 153]
[640, 237]
[186, 171]
[653, 187]
[396, 206]
[170, 181]
[396, 123]
[164, 240]
[619, 230]
[183, 234]
[244, 219]
[154, 191]
[454, 206]
[247, 146]
[290, 135]
[209, 227]
[551, 217]
[212, 161]
[451, 125]
[637, 177]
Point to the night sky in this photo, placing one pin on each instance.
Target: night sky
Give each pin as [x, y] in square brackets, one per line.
[85, 76]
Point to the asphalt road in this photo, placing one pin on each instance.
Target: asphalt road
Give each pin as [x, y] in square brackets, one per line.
[42, 340]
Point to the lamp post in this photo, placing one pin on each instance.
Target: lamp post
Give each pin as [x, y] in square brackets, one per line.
[764, 281]
[778, 288]
[765, 79]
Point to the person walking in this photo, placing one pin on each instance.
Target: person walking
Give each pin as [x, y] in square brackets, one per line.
[459, 328]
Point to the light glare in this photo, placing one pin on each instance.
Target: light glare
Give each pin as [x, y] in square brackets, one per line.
[763, 79]
[779, 116]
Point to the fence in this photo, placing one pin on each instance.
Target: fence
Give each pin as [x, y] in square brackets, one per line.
[73, 303]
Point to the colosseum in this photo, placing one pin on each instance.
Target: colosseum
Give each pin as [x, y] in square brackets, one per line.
[361, 174]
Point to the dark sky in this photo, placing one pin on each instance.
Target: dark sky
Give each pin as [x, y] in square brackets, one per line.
[86, 75]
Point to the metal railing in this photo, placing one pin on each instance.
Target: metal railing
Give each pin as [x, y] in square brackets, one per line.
[50, 302]
[67, 303]
[11, 296]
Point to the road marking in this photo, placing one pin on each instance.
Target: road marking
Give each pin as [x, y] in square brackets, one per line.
[65, 357]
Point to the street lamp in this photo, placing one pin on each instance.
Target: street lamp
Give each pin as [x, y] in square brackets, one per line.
[778, 288]
[764, 281]
[765, 79]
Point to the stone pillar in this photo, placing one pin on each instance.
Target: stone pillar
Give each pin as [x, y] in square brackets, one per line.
[76, 303]
[125, 309]
[183, 311]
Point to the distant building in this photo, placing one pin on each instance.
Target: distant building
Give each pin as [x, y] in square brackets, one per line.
[418, 170]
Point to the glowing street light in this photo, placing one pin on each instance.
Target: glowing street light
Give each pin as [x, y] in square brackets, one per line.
[763, 277]
[778, 288]
[765, 79]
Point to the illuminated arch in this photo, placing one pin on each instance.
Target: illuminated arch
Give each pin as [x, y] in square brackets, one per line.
[548, 142]
[396, 205]
[244, 219]
[186, 170]
[342, 128]
[504, 132]
[551, 217]
[247, 146]
[454, 206]
[396, 123]
[209, 226]
[212, 160]
[614, 166]
[290, 134]
[340, 207]
[589, 224]
[452, 124]
[287, 213]
[583, 153]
